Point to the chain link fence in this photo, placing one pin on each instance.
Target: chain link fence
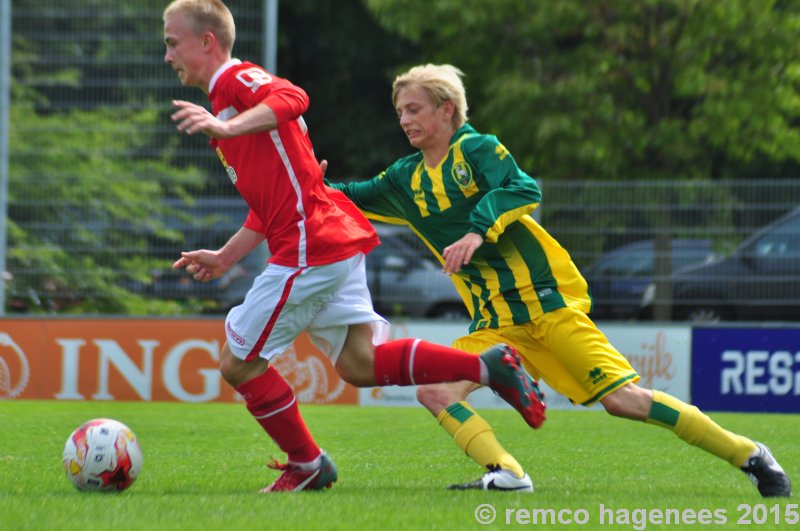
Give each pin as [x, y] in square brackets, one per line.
[683, 249]
[104, 194]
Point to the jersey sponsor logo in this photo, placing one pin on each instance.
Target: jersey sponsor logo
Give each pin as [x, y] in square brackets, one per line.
[597, 375]
[254, 78]
[462, 174]
[15, 371]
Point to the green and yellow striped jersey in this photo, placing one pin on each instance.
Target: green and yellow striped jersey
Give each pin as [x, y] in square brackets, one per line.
[520, 271]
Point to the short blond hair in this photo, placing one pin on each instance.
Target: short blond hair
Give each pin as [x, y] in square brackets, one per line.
[206, 15]
[441, 83]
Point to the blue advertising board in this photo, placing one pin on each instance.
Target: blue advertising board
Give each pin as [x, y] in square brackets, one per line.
[746, 369]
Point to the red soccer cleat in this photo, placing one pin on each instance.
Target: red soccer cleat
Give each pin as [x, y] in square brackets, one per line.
[294, 479]
[509, 381]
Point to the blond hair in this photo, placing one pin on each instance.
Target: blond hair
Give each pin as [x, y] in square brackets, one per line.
[206, 15]
[441, 83]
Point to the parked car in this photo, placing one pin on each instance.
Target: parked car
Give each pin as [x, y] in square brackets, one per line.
[405, 280]
[759, 281]
[618, 278]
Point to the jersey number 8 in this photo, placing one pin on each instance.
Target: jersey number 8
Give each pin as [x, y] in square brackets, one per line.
[254, 78]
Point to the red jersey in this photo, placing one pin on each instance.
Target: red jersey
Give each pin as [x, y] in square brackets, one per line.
[277, 174]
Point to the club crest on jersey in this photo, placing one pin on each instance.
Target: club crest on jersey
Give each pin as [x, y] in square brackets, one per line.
[462, 174]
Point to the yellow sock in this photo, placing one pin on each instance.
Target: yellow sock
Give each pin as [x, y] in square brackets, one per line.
[474, 435]
[696, 428]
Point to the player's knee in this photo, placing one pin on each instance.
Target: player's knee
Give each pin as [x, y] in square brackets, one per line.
[228, 368]
[236, 371]
[630, 402]
[615, 407]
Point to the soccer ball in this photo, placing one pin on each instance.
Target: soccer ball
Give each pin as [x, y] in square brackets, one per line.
[102, 455]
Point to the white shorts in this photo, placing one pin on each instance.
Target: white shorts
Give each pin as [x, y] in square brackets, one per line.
[285, 301]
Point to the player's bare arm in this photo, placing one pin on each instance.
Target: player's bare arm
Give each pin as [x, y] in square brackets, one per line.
[192, 118]
[460, 253]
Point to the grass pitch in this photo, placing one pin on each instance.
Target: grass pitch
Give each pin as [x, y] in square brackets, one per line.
[204, 465]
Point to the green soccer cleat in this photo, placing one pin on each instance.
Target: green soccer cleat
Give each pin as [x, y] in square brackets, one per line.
[295, 479]
[766, 474]
[509, 381]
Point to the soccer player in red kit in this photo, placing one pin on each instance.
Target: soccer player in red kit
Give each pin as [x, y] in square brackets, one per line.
[315, 279]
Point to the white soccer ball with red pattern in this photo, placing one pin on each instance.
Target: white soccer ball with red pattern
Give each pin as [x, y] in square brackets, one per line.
[102, 455]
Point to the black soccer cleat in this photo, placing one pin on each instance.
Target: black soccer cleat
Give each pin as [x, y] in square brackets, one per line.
[767, 474]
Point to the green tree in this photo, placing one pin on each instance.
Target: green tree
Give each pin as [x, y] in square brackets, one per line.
[624, 89]
[339, 53]
[94, 153]
[83, 216]
[86, 177]
[639, 89]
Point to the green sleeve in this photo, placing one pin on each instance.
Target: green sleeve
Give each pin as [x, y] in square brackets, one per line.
[510, 192]
[376, 198]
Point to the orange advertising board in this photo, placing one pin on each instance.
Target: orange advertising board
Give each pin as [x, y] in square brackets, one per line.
[142, 359]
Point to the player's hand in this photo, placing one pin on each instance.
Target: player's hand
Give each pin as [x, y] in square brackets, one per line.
[203, 265]
[191, 118]
[460, 253]
[323, 165]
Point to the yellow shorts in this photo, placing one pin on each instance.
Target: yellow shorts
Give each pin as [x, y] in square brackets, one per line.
[566, 350]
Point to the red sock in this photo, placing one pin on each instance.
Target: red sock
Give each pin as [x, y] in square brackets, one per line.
[415, 362]
[272, 402]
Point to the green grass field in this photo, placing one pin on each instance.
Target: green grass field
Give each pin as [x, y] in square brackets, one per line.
[204, 465]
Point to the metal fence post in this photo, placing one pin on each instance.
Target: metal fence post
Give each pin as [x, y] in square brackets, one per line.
[5, 102]
[270, 36]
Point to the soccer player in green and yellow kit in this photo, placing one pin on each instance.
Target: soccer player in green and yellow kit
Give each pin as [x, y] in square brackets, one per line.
[463, 194]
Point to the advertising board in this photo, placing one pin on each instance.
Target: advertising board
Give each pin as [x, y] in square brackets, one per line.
[746, 369]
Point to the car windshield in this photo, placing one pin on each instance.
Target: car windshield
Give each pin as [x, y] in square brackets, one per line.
[782, 241]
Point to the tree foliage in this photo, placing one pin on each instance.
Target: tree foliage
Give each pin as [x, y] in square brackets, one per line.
[94, 155]
[345, 60]
[625, 89]
[577, 89]
[640, 89]
[84, 213]
[86, 180]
